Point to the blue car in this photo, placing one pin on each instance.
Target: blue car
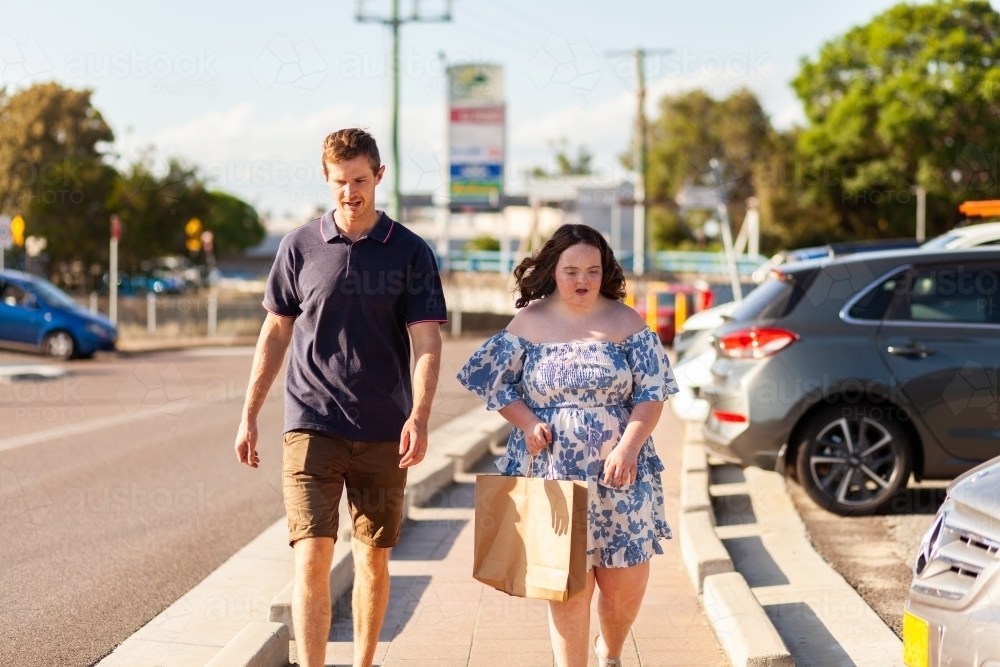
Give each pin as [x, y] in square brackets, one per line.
[37, 316]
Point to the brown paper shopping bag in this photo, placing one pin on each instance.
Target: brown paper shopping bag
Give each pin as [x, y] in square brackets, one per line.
[531, 536]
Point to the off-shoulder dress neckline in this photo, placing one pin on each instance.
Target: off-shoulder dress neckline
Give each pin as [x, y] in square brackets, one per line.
[529, 343]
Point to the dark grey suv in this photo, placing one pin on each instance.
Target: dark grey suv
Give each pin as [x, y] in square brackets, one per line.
[857, 371]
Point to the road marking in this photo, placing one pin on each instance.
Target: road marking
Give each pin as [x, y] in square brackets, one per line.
[75, 429]
[234, 351]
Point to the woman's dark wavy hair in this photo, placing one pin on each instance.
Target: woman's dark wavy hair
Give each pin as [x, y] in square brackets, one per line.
[535, 275]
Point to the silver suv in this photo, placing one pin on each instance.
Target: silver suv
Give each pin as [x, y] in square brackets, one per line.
[952, 616]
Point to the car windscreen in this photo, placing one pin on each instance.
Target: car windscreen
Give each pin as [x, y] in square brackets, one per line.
[52, 295]
[774, 298]
[940, 241]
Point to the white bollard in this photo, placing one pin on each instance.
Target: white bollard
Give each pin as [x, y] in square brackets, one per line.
[213, 314]
[151, 313]
[456, 323]
[93, 302]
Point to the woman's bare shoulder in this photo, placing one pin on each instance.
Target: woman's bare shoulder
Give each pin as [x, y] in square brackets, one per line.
[526, 322]
[626, 320]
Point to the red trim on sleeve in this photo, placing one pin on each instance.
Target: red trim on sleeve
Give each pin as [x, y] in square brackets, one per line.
[287, 317]
[410, 324]
[391, 227]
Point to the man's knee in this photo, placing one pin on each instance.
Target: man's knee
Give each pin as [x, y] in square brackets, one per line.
[313, 557]
[370, 560]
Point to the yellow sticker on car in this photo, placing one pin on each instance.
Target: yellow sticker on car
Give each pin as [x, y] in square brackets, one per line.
[916, 640]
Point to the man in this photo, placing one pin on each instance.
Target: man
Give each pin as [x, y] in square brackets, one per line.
[350, 291]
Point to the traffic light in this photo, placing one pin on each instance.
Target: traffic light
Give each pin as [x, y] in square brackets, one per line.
[193, 231]
[17, 230]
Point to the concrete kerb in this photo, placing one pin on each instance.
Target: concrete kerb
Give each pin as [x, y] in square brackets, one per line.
[701, 549]
[742, 627]
[694, 493]
[259, 644]
[736, 616]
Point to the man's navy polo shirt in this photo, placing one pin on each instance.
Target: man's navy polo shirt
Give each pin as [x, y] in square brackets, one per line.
[349, 369]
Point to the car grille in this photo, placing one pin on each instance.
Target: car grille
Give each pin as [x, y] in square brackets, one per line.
[952, 558]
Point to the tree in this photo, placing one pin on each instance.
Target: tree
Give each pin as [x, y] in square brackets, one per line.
[235, 223]
[54, 172]
[49, 135]
[911, 98]
[566, 165]
[693, 128]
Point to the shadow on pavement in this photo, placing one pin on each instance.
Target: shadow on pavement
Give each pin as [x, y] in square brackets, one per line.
[752, 559]
[726, 474]
[805, 635]
[733, 510]
[403, 601]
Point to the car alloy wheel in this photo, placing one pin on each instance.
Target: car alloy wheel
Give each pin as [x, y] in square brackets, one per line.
[60, 345]
[853, 459]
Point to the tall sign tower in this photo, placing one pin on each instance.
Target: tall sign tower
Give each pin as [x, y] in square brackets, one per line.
[476, 136]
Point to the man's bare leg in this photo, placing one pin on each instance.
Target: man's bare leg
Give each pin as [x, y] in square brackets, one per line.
[311, 599]
[369, 599]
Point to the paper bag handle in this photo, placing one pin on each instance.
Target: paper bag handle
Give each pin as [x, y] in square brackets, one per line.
[531, 462]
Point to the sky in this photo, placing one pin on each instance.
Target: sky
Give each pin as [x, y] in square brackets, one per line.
[247, 91]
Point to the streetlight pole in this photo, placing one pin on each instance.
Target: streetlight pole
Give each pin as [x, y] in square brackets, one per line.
[394, 22]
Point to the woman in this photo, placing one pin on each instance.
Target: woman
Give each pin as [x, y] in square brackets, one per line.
[582, 378]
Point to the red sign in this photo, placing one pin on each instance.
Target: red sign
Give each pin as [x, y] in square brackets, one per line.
[478, 115]
[116, 228]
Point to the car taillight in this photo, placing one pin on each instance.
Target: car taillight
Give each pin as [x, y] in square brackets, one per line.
[755, 343]
[732, 417]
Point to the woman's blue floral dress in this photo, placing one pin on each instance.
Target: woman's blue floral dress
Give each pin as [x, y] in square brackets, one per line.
[585, 392]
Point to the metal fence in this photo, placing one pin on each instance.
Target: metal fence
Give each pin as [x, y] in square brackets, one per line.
[185, 316]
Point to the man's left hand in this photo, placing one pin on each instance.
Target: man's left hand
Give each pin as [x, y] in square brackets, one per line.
[413, 442]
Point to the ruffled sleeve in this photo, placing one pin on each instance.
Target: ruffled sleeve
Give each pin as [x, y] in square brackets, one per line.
[652, 378]
[493, 372]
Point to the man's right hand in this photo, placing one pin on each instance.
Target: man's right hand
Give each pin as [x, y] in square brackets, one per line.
[246, 443]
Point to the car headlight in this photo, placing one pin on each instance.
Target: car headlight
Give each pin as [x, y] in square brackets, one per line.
[98, 330]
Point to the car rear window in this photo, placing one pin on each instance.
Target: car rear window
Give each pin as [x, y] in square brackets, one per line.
[774, 298]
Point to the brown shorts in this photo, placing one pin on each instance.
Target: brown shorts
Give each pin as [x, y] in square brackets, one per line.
[316, 467]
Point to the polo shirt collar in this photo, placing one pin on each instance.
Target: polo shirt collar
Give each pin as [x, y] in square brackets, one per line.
[380, 232]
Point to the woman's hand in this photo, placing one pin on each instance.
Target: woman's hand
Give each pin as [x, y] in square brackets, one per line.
[538, 437]
[620, 468]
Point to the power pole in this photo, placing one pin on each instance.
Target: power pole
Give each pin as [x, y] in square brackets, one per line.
[639, 157]
[394, 22]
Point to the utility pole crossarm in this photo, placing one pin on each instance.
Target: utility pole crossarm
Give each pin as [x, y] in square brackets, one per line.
[394, 22]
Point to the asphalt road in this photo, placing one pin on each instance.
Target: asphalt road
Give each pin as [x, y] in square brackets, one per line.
[875, 554]
[120, 490]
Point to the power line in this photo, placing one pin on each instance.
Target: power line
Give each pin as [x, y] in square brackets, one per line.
[394, 21]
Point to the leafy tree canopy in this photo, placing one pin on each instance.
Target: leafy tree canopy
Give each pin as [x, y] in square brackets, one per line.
[911, 98]
[55, 174]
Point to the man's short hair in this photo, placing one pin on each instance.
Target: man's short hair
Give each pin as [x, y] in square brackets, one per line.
[348, 144]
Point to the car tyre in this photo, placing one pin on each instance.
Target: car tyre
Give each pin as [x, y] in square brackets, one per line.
[852, 459]
[59, 345]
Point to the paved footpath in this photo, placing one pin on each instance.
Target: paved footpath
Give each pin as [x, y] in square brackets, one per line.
[439, 615]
